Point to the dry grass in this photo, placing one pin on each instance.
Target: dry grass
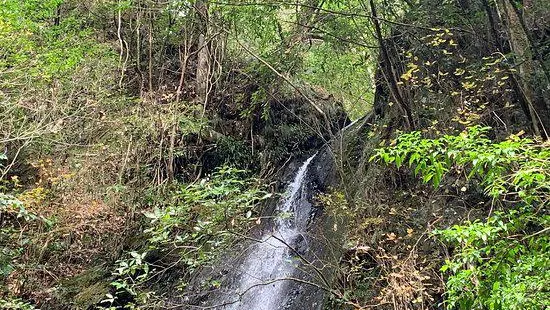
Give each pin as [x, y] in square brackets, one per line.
[392, 261]
[87, 225]
[407, 283]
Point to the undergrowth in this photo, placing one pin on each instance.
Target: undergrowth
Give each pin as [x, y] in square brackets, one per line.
[189, 230]
[76, 152]
[501, 262]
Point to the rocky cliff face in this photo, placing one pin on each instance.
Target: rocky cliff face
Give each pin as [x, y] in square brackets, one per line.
[272, 132]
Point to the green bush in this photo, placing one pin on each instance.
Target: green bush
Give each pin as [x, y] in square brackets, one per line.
[34, 48]
[14, 238]
[197, 224]
[203, 216]
[15, 304]
[502, 262]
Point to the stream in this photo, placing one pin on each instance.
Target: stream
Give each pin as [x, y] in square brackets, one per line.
[270, 273]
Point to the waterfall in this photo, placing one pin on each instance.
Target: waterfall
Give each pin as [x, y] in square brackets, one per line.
[294, 193]
[285, 268]
[270, 265]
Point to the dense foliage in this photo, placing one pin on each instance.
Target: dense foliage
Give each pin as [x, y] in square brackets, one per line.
[137, 136]
[195, 225]
[501, 262]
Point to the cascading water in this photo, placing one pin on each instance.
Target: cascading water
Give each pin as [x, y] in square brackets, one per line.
[290, 204]
[286, 268]
[271, 264]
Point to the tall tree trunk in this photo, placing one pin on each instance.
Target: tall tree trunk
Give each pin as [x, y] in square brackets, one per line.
[522, 48]
[306, 18]
[57, 18]
[388, 70]
[503, 45]
[203, 54]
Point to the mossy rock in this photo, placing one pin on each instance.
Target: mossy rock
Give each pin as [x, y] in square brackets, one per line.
[82, 291]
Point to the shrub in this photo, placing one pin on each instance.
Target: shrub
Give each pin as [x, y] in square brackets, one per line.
[203, 216]
[502, 262]
[198, 223]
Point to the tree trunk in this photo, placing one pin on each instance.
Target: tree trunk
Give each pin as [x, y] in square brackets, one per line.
[518, 44]
[203, 52]
[522, 48]
[388, 70]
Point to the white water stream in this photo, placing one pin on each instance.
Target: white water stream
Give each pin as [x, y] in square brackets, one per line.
[270, 264]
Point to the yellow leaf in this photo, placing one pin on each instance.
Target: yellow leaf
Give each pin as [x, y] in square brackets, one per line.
[459, 71]
[468, 85]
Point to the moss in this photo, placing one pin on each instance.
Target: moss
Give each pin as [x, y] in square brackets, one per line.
[91, 295]
[82, 291]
